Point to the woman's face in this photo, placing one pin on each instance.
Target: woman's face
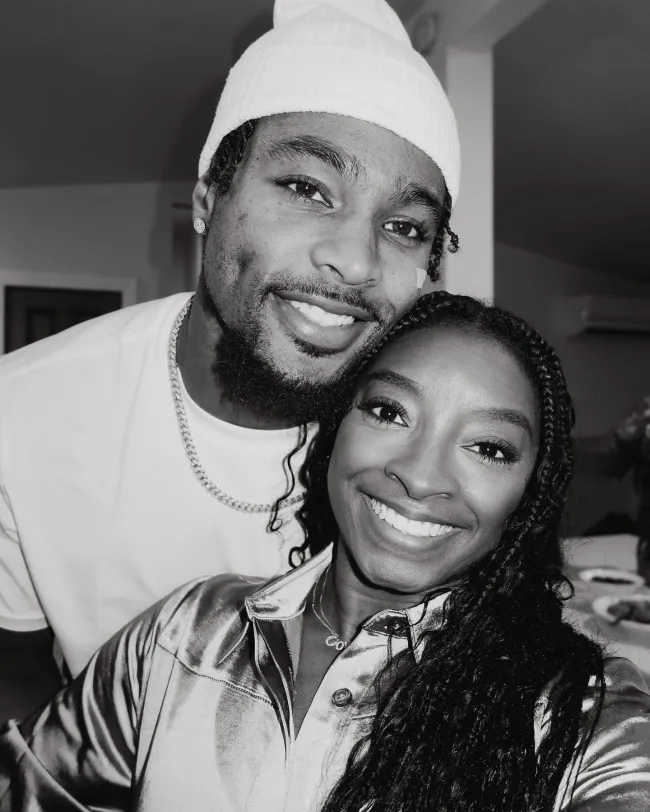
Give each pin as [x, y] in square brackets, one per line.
[433, 458]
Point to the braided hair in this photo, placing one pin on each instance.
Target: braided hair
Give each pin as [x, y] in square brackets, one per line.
[454, 731]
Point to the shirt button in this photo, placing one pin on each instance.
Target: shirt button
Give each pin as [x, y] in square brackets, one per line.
[342, 697]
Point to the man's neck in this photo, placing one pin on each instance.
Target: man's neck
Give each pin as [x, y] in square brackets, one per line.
[195, 355]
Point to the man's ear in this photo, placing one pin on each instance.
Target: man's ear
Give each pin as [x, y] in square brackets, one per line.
[203, 199]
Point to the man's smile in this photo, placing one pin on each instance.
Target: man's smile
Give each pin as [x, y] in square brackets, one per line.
[320, 316]
[322, 322]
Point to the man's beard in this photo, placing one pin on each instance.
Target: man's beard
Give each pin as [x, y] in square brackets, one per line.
[246, 376]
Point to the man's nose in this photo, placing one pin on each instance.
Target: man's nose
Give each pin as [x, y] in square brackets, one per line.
[349, 253]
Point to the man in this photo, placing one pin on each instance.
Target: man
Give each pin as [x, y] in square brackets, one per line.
[146, 447]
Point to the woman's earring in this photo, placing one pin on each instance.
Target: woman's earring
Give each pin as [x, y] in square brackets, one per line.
[420, 276]
[199, 225]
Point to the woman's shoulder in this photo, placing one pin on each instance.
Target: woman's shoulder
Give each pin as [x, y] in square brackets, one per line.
[203, 614]
[626, 695]
[621, 675]
[613, 771]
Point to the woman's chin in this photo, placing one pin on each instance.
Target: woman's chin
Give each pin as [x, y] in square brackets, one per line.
[397, 578]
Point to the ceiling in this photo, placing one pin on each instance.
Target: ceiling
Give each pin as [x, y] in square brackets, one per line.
[572, 135]
[111, 91]
[124, 91]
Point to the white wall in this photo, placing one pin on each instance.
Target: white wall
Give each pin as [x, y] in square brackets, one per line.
[607, 375]
[111, 230]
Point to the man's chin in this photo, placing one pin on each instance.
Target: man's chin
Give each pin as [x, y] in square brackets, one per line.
[304, 394]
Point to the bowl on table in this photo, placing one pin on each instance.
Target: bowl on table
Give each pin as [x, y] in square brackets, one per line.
[611, 581]
[627, 611]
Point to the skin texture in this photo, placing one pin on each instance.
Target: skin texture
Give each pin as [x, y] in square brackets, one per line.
[293, 225]
[435, 456]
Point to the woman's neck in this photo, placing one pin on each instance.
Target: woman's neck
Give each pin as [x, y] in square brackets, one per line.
[348, 601]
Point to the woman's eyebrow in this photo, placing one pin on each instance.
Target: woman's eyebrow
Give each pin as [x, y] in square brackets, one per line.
[505, 416]
[311, 146]
[494, 413]
[396, 379]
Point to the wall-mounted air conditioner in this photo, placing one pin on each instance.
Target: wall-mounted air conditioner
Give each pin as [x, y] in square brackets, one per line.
[599, 314]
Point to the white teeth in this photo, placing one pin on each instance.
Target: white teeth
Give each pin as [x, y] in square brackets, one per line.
[409, 526]
[321, 316]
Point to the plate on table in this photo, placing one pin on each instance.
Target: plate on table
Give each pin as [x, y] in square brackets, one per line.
[610, 607]
[611, 581]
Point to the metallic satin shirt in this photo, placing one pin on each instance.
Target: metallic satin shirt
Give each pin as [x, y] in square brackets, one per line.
[190, 707]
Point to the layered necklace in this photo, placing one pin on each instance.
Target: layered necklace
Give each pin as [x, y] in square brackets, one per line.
[333, 640]
[186, 435]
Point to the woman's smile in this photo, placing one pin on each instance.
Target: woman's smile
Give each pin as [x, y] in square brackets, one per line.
[409, 527]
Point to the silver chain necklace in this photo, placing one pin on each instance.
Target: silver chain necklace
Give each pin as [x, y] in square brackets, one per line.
[333, 640]
[186, 435]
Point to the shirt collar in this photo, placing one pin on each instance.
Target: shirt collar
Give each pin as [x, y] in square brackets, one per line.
[287, 596]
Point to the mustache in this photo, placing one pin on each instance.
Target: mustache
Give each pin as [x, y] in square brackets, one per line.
[348, 296]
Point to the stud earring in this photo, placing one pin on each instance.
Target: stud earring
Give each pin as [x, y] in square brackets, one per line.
[199, 225]
[420, 276]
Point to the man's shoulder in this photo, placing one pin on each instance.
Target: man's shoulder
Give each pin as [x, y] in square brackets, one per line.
[90, 342]
[89, 363]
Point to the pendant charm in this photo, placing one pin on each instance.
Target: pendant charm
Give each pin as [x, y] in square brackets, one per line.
[333, 641]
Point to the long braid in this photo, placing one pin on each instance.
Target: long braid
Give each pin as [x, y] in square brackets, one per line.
[454, 732]
[443, 234]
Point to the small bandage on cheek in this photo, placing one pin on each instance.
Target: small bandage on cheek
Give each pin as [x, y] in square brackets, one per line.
[420, 276]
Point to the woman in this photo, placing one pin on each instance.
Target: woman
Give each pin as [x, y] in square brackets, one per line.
[419, 663]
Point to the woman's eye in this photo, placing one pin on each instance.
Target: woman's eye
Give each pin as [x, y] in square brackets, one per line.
[387, 414]
[402, 228]
[494, 452]
[303, 188]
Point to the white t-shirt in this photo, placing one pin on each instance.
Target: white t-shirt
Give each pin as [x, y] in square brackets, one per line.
[100, 512]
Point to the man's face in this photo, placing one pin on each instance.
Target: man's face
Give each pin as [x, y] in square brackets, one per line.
[312, 253]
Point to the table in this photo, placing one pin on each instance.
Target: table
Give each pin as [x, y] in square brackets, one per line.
[606, 551]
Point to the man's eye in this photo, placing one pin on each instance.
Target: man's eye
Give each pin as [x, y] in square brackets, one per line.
[402, 228]
[307, 190]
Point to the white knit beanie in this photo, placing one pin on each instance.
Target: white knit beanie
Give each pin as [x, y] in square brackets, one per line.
[349, 57]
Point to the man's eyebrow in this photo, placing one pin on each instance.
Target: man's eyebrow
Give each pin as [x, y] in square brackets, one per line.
[414, 194]
[506, 416]
[395, 379]
[311, 146]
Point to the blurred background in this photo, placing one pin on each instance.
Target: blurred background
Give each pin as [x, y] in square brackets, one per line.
[105, 106]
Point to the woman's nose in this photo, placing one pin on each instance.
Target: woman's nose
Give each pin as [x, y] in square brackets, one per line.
[423, 471]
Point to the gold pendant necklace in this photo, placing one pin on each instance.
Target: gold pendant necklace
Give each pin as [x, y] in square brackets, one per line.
[333, 640]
